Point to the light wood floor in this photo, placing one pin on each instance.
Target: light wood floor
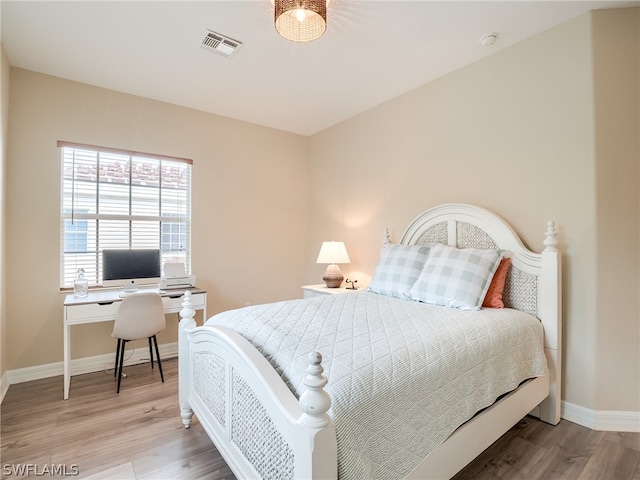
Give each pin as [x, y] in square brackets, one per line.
[139, 435]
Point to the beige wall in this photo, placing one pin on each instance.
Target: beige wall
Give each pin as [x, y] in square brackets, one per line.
[515, 133]
[4, 121]
[616, 43]
[250, 191]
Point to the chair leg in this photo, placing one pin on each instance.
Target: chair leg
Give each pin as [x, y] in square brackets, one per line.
[155, 340]
[150, 353]
[123, 344]
[115, 368]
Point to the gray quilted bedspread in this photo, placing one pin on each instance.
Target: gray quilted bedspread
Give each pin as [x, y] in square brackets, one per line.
[402, 375]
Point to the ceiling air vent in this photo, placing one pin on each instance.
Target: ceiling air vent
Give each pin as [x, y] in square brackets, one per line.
[217, 43]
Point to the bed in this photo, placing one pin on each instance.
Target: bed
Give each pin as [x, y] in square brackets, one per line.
[381, 403]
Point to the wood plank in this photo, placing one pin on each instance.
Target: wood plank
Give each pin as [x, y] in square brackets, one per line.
[136, 434]
[536, 450]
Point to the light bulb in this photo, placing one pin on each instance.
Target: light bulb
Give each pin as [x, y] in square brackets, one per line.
[301, 14]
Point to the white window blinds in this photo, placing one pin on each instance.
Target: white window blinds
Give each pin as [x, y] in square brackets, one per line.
[118, 199]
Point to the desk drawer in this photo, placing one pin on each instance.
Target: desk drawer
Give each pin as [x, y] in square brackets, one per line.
[107, 310]
[174, 304]
[94, 312]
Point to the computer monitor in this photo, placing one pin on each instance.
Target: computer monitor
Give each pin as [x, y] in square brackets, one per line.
[130, 268]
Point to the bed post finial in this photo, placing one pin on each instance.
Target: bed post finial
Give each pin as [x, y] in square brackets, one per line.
[386, 239]
[551, 240]
[314, 401]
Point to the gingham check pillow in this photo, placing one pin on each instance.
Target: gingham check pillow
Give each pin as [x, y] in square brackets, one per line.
[398, 269]
[456, 277]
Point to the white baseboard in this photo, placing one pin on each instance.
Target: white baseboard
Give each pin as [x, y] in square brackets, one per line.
[83, 365]
[605, 420]
[4, 385]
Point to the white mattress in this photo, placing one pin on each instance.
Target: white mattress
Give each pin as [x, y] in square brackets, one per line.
[402, 375]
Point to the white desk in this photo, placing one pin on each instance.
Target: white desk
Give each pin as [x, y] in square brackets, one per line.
[102, 306]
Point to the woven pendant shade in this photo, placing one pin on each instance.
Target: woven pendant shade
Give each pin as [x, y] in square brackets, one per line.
[300, 20]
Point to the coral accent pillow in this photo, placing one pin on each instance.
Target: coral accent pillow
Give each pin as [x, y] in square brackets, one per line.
[493, 298]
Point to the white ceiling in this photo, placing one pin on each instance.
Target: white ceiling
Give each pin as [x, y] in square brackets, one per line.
[371, 52]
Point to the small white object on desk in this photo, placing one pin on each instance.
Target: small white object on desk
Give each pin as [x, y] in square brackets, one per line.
[175, 276]
[310, 291]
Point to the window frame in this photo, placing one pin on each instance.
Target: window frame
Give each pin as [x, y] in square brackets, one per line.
[163, 209]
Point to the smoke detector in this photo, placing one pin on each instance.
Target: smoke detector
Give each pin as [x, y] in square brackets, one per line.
[219, 44]
[489, 39]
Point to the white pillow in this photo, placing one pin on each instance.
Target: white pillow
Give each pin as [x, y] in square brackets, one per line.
[399, 267]
[455, 277]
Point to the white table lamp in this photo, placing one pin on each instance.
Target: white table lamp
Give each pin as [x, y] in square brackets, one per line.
[333, 253]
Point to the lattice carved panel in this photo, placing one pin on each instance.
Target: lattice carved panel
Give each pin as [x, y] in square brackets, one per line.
[520, 291]
[470, 236]
[256, 436]
[208, 382]
[435, 234]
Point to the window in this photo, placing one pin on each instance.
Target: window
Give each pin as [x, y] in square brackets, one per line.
[119, 199]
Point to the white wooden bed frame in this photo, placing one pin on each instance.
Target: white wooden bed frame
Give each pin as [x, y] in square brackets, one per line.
[263, 431]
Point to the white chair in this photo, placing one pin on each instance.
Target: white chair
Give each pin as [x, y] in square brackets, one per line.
[140, 315]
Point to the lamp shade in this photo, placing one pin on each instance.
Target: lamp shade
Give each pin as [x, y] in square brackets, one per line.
[333, 253]
[300, 20]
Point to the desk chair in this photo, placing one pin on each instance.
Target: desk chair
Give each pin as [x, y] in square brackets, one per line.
[140, 315]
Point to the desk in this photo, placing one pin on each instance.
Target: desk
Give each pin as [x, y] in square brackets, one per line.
[103, 305]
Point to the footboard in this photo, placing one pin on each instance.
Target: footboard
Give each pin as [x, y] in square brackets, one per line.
[256, 423]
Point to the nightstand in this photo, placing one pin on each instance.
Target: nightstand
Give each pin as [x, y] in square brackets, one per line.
[310, 291]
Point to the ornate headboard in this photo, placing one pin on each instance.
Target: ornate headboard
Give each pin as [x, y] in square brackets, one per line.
[533, 283]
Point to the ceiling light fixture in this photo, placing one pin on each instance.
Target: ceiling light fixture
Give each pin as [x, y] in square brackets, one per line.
[300, 20]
